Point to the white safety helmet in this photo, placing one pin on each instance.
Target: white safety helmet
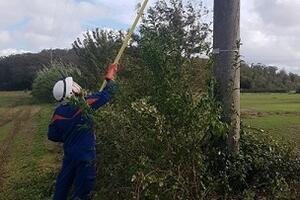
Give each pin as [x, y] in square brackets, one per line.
[65, 88]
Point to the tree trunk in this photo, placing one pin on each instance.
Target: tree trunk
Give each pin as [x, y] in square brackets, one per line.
[227, 65]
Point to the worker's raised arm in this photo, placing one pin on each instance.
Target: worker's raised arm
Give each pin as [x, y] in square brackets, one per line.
[98, 99]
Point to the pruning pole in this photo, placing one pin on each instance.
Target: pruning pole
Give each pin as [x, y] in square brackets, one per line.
[127, 38]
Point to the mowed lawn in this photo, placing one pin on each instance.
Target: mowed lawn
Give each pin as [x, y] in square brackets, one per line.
[278, 114]
[28, 161]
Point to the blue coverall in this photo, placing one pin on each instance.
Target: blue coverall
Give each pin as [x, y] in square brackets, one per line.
[78, 168]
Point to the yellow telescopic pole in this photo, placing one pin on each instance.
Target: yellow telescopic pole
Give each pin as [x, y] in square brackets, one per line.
[127, 38]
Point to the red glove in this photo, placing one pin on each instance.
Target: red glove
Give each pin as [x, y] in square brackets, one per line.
[111, 71]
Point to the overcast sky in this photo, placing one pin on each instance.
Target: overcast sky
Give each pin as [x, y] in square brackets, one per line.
[270, 29]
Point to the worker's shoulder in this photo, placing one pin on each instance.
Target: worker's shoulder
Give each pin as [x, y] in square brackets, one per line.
[64, 108]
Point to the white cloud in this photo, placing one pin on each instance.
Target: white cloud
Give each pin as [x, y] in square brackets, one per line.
[122, 11]
[4, 37]
[38, 24]
[11, 11]
[6, 52]
[269, 32]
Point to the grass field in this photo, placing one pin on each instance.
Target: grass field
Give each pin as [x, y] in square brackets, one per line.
[278, 114]
[29, 162]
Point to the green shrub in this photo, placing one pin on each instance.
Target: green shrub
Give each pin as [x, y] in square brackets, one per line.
[95, 51]
[263, 168]
[298, 90]
[145, 154]
[48, 76]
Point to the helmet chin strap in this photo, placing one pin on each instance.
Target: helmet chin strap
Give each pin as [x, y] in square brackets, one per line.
[65, 89]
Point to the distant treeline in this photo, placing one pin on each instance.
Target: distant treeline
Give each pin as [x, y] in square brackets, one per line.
[262, 78]
[17, 72]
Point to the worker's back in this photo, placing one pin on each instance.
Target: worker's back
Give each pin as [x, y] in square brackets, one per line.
[75, 130]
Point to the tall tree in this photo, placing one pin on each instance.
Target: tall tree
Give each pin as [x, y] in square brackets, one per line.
[227, 66]
[96, 50]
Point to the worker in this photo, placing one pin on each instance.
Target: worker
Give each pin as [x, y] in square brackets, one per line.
[78, 168]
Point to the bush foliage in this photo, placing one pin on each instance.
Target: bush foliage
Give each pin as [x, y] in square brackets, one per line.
[96, 51]
[298, 90]
[141, 156]
[48, 76]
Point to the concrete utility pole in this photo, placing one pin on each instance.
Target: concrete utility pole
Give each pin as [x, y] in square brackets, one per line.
[226, 64]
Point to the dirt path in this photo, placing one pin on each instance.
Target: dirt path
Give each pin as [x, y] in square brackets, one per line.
[8, 115]
[21, 117]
